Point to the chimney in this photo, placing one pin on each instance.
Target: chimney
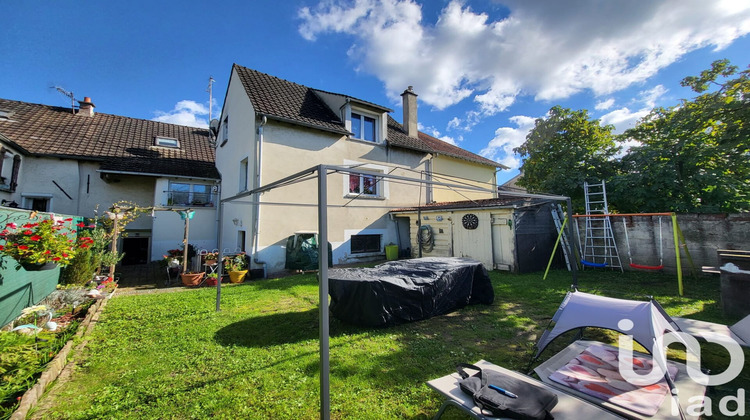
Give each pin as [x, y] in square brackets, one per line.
[86, 107]
[410, 112]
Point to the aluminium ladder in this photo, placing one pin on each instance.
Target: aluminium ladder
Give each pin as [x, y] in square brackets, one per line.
[600, 249]
[558, 217]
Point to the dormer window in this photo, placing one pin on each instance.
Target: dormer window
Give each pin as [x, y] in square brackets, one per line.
[167, 142]
[363, 127]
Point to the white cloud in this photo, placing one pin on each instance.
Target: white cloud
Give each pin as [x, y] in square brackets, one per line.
[602, 105]
[434, 132]
[186, 112]
[623, 118]
[550, 50]
[506, 139]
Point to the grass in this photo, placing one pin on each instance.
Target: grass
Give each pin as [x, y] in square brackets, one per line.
[171, 356]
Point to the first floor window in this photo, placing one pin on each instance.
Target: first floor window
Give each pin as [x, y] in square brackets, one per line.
[365, 243]
[363, 184]
[185, 194]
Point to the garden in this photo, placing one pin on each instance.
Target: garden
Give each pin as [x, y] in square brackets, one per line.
[171, 355]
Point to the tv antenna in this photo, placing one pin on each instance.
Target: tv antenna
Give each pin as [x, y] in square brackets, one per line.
[69, 95]
[210, 91]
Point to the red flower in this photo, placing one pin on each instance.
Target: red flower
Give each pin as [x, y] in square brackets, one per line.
[80, 224]
[1, 247]
[47, 252]
[11, 225]
[35, 238]
[23, 247]
[56, 258]
[28, 232]
[69, 219]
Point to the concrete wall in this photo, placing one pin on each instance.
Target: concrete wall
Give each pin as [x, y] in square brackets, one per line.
[704, 234]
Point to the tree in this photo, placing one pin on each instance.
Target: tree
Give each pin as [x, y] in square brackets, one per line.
[565, 149]
[694, 157]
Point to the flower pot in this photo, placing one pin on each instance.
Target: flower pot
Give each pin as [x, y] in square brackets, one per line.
[237, 276]
[211, 262]
[212, 281]
[39, 266]
[192, 279]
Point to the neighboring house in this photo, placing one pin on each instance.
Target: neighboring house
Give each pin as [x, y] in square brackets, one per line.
[76, 161]
[272, 128]
[512, 185]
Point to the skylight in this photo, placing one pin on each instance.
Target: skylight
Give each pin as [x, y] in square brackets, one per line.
[166, 142]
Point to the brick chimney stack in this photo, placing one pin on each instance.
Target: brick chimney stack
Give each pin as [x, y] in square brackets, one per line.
[410, 112]
[86, 107]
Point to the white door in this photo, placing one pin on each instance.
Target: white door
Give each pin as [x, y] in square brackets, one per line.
[471, 235]
[502, 240]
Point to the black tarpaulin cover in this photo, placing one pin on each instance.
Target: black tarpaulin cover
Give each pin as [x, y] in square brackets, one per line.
[408, 290]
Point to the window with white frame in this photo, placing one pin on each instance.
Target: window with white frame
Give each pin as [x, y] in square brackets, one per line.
[364, 127]
[166, 142]
[243, 175]
[190, 195]
[364, 184]
[225, 131]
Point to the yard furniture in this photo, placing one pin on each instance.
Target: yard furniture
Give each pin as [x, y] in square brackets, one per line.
[568, 407]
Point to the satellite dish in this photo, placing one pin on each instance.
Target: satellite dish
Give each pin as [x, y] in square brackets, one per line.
[214, 126]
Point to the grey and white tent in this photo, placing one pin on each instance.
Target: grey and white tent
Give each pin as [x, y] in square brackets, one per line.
[644, 320]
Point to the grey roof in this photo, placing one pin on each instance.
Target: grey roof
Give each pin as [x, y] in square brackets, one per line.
[119, 143]
[294, 103]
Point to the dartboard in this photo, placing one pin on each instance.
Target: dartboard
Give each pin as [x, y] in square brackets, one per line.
[470, 221]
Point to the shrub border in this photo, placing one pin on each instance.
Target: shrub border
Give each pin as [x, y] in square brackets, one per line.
[60, 362]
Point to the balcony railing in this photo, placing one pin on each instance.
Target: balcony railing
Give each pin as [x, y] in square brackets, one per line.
[189, 199]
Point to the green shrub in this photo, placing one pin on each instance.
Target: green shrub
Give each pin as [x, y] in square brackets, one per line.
[81, 269]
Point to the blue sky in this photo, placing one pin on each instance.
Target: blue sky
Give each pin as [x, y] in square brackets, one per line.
[484, 70]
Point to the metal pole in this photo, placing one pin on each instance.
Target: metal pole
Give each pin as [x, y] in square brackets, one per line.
[221, 258]
[325, 396]
[574, 262]
[677, 253]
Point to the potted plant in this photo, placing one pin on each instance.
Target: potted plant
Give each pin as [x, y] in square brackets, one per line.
[40, 245]
[236, 266]
[212, 279]
[211, 258]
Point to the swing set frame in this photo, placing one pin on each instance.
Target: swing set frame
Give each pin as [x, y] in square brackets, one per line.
[679, 243]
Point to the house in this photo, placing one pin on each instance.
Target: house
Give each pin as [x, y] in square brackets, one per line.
[75, 160]
[271, 128]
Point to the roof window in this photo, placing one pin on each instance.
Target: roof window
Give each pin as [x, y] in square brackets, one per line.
[5, 115]
[167, 142]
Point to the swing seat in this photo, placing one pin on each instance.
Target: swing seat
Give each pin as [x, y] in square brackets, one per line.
[593, 264]
[647, 267]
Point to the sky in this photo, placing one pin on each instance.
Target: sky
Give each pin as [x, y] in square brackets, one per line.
[484, 70]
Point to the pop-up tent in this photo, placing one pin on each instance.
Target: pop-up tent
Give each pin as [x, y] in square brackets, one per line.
[644, 320]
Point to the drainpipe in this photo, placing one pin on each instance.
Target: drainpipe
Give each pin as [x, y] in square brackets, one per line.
[256, 222]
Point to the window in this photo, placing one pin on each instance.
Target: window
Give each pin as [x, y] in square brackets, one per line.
[37, 202]
[363, 127]
[364, 184]
[167, 142]
[10, 165]
[365, 243]
[241, 238]
[243, 175]
[184, 194]
[225, 131]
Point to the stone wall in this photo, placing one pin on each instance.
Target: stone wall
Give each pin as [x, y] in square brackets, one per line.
[704, 234]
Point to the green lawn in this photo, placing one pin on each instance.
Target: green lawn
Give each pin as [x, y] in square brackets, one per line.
[171, 356]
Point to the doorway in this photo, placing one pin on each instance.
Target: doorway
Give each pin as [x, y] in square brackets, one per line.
[136, 250]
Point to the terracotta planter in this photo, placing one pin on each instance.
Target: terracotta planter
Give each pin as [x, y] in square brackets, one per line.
[192, 279]
[39, 267]
[211, 262]
[237, 276]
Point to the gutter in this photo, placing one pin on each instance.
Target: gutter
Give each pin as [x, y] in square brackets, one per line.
[105, 171]
[256, 199]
